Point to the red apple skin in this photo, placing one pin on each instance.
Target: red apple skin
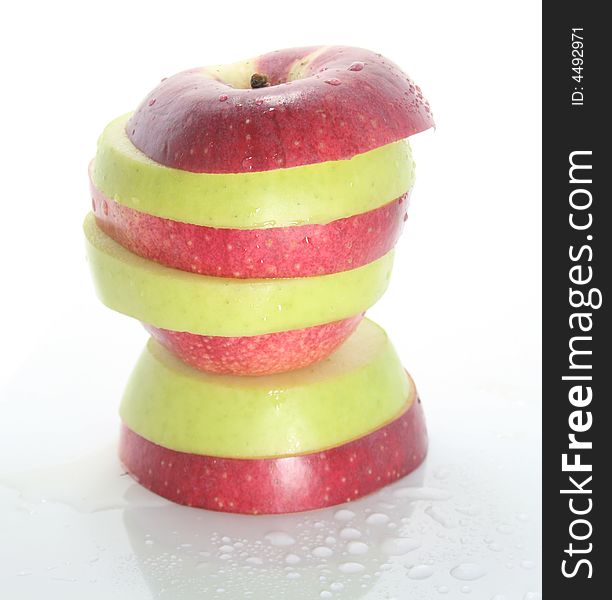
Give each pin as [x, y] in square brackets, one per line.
[348, 101]
[280, 485]
[258, 354]
[297, 251]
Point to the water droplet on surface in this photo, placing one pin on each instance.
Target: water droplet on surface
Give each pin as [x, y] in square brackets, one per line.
[279, 538]
[326, 594]
[293, 575]
[336, 586]
[292, 559]
[527, 564]
[420, 572]
[399, 546]
[329, 540]
[254, 560]
[343, 514]
[443, 589]
[357, 548]
[422, 493]
[332, 81]
[377, 519]
[499, 597]
[467, 572]
[222, 97]
[505, 529]
[351, 567]
[532, 596]
[350, 533]
[466, 589]
[356, 66]
[322, 552]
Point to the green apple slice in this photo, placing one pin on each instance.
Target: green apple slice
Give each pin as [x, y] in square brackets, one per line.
[357, 389]
[182, 301]
[318, 193]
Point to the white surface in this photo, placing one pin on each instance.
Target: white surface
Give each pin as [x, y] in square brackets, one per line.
[463, 310]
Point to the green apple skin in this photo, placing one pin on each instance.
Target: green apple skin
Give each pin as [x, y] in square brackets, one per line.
[311, 194]
[180, 301]
[358, 388]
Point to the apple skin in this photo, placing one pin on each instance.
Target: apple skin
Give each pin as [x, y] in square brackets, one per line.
[323, 104]
[280, 485]
[259, 354]
[298, 251]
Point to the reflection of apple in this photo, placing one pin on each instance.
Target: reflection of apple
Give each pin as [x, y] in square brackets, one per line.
[256, 354]
[360, 387]
[286, 484]
[284, 109]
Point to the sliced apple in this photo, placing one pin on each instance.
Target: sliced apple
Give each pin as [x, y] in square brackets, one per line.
[359, 387]
[172, 299]
[298, 251]
[318, 193]
[280, 485]
[309, 105]
[256, 354]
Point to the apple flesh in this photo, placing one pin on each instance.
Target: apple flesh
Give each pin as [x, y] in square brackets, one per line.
[322, 104]
[280, 485]
[311, 194]
[256, 355]
[298, 251]
[217, 306]
[359, 387]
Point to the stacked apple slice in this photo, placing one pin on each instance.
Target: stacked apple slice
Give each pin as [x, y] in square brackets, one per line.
[247, 215]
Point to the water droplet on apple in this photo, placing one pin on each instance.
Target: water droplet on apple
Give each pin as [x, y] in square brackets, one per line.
[222, 97]
[152, 101]
[333, 81]
[247, 162]
[356, 66]
[105, 207]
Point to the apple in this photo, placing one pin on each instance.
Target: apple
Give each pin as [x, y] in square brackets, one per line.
[298, 251]
[216, 306]
[312, 194]
[257, 354]
[284, 109]
[284, 484]
[359, 387]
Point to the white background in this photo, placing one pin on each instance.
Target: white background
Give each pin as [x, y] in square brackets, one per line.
[463, 309]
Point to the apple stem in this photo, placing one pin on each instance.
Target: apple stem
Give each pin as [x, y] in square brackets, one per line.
[259, 81]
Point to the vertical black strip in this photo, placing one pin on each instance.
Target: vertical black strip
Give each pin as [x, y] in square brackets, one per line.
[577, 255]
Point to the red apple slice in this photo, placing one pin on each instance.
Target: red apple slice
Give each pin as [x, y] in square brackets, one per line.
[310, 105]
[298, 251]
[258, 354]
[285, 484]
